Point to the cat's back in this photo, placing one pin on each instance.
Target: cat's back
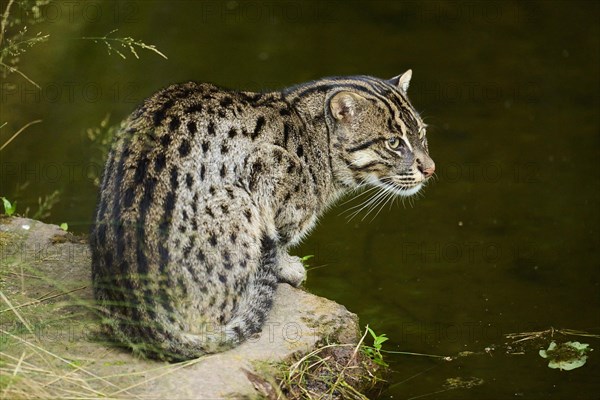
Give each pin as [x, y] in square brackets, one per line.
[182, 145]
[194, 128]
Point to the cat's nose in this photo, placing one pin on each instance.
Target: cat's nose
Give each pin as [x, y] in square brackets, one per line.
[427, 172]
[424, 163]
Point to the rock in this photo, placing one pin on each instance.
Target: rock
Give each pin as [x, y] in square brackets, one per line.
[49, 321]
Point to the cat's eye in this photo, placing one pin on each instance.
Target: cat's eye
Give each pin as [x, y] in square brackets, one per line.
[394, 143]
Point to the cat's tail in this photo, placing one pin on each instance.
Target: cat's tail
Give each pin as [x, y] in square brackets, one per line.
[159, 339]
[162, 339]
[256, 302]
[252, 309]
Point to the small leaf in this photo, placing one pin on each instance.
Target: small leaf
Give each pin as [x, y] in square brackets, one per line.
[64, 226]
[374, 352]
[372, 333]
[304, 259]
[380, 340]
[9, 209]
[565, 356]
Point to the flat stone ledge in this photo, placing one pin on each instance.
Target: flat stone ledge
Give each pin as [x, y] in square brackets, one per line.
[39, 258]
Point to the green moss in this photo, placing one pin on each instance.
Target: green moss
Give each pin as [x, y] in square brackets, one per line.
[6, 238]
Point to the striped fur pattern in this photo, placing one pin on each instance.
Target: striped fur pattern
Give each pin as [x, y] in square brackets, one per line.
[205, 189]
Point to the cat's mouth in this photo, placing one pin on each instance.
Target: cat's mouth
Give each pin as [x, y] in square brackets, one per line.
[404, 189]
[403, 185]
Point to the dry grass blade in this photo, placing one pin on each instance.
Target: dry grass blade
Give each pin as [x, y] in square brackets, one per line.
[170, 370]
[21, 275]
[43, 298]
[360, 342]
[573, 332]
[14, 310]
[332, 371]
[313, 353]
[14, 373]
[410, 353]
[341, 375]
[70, 363]
[25, 364]
[524, 336]
[33, 378]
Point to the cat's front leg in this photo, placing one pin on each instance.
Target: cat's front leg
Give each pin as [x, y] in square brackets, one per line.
[289, 269]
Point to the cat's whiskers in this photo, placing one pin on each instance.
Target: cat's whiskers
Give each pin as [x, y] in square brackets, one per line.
[391, 196]
[375, 204]
[367, 203]
[360, 193]
[381, 197]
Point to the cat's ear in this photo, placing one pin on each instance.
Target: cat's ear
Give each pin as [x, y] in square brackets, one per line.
[344, 105]
[402, 81]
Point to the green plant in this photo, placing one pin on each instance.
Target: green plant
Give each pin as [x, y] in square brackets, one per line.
[15, 40]
[39, 358]
[332, 371]
[16, 37]
[64, 226]
[18, 40]
[101, 138]
[9, 208]
[374, 352]
[46, 204]
[126, 42]
[304, 259]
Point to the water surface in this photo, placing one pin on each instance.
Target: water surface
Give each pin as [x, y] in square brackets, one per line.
[504, 240]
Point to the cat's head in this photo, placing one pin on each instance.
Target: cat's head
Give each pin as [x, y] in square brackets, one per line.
[377, 137]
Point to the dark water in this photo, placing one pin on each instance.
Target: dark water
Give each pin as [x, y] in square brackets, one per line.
[505, 240]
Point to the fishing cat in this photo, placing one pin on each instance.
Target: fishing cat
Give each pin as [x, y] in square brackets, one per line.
[205, 189]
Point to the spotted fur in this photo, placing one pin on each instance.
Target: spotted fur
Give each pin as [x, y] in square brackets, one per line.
[205, 189]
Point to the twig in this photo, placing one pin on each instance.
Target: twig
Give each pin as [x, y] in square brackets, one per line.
[19, 132]
[13, 69]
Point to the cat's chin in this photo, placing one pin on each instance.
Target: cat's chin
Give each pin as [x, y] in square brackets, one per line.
[407, 192]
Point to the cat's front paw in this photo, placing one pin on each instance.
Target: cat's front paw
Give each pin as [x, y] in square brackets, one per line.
[290, 270]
